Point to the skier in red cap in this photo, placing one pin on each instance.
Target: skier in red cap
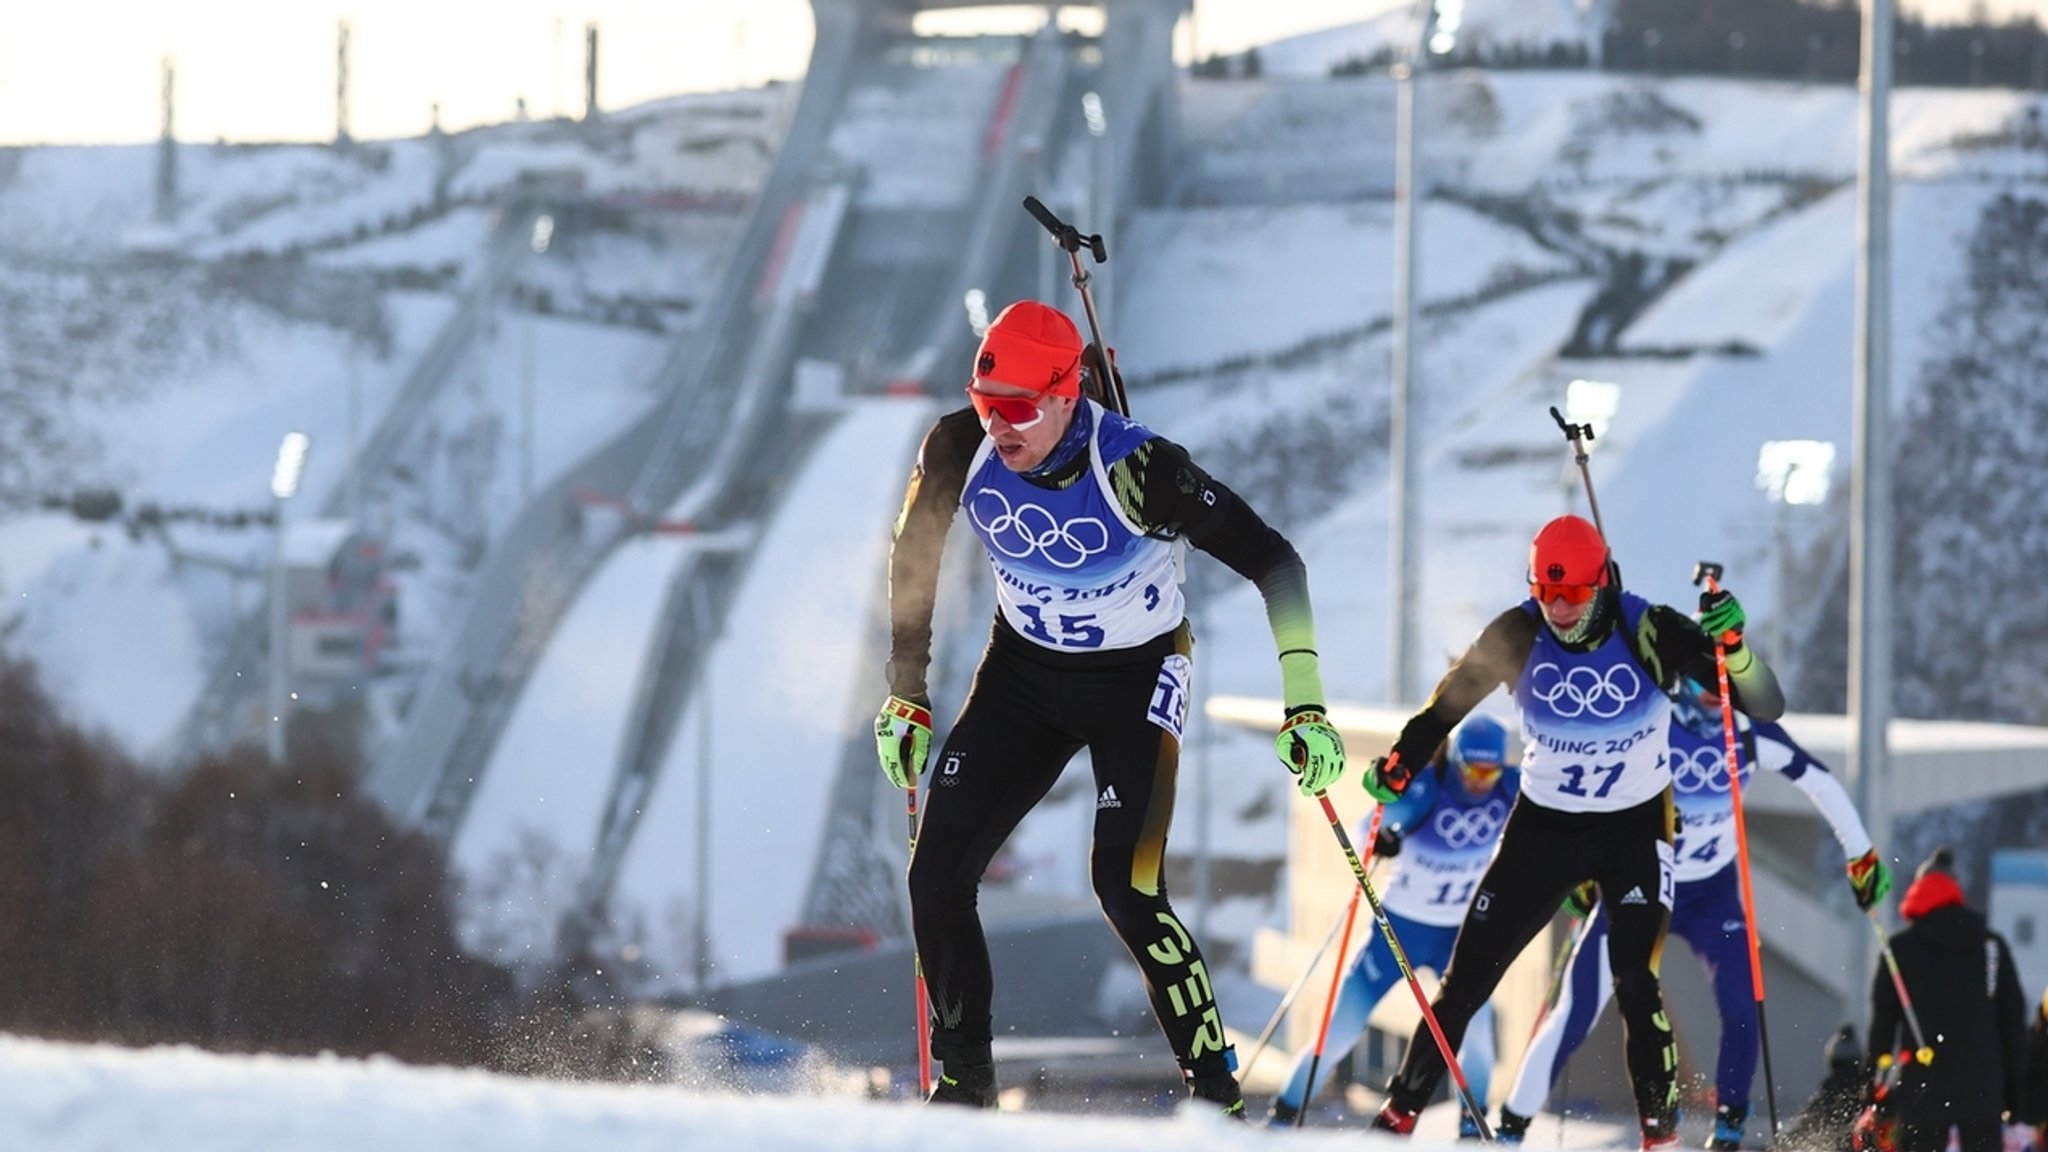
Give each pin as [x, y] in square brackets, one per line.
[1971, 1015]
[1079, 509]
[1590, 668]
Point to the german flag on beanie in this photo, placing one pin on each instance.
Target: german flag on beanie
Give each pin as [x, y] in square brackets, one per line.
[1031, 345]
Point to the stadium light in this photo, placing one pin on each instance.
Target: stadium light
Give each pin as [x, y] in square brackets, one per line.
[1796, 471]
[1790, 472]
[291, 460]
[1091, 111]
[1450, 17]
[1592, 402]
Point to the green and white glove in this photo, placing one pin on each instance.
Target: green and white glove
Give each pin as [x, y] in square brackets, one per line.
[1870, 879]
[1722, 617]
[1311, 749]
[1386, 778]
[903, 738]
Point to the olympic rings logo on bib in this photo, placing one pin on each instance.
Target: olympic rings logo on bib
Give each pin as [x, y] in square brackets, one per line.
[1700, 770]
[1582, 691]
[1462, 829]
[1030, 529]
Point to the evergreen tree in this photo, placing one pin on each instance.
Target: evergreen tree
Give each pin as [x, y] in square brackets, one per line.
[1969, 530]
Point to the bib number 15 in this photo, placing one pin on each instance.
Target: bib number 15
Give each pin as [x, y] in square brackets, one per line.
[1604, 776]
[1079, 631]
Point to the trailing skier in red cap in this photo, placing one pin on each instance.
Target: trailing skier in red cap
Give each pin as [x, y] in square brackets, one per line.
[1589, 667]
[1078, 509]
[1971, 1013]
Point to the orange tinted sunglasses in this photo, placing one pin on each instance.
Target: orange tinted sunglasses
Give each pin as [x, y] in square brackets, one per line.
[1019, 412]
[1545, 592]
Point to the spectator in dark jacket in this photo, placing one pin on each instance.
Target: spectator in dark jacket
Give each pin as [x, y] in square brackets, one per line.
[1824, 1123]
[2034, 1109]
[1960, 977]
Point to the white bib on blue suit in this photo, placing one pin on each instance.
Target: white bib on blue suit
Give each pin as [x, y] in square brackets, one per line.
[1073, 573]
[1595, 723]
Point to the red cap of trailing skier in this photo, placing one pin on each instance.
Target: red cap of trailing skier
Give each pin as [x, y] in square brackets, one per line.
[1569, 559]
[1031, 345]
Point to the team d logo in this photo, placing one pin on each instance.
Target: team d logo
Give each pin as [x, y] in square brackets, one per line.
[986, 364]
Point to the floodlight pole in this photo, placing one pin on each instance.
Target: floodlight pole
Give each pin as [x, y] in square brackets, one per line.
[1101, 199]
[1782, 529]
[1402, 471]
[284, 483]
[280, 676]
[1870, 576]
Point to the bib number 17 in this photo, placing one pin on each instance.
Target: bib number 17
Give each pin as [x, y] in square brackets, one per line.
[1604, 775]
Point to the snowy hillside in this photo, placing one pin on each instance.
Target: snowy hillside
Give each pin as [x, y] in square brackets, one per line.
[297, 287]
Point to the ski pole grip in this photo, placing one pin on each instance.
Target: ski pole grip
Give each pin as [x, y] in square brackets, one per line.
[1708, 573]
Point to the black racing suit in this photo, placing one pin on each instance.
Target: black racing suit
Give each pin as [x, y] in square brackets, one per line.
[1966, 996]
[1545, 852]
[1032, 708]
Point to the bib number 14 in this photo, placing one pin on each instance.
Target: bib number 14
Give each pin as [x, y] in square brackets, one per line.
[1604, 777]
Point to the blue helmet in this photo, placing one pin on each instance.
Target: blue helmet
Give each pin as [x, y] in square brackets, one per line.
[1478, 749]
[1696, 706]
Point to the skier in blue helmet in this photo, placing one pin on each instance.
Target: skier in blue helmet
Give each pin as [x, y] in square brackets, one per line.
[1443, 829]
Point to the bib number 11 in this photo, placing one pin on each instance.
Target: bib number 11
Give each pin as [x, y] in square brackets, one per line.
[1575, 784]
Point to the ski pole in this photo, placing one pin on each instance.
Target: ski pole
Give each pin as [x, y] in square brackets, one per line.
[1560, 967]
[1579, 435]
[1379, 913]
[1071, 240]
[1560, 971]
[1315, 1061]
[1273, 1025]
[1708, 573]
[924, 1023]
[1921, 1051]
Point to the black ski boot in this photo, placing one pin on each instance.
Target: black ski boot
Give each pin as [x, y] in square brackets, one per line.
[1211, 1078]
[1282, 1114]
[969, 1078]
[1514, 1127]
[971, 1085]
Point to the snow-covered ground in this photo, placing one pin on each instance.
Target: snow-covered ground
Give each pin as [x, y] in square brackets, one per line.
[62, 1098]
